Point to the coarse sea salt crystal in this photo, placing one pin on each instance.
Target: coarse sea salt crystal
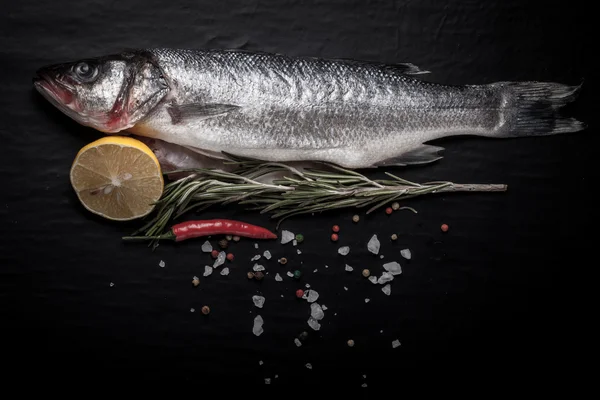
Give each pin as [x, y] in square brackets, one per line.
[381, 256]
[298, 342]
[287, 236]
[374, 245]
[316, 311]
[395, 343]
[315, 271]
[255, 258]
[260, 362]
[307, 286]
[367, 300]
[393, 268]
[192, 309]
[161, 264]
[312, 296]
[385, 277]
[206, 247]
[289, 273]
[373, 279]
[267, 254]
[387, 289]
[344, 250]
[259, 301]
[256, 245]
[258, 267]
[345, 288]
[111, 284]
[257, 328]
[323, 307]
[225, 271]
[278, 277]
[207, 270]
[295, 242]
[314, 324]
[267, 381]
[220, 259]
[309, 365]
[406, 253]
[349, 268]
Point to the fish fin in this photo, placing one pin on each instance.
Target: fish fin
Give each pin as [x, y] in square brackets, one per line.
[207, 153]
[424, 154]
[179, 113]
[534, 109]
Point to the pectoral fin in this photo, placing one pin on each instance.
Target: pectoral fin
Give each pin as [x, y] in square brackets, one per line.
[424, 154]
[183, 112]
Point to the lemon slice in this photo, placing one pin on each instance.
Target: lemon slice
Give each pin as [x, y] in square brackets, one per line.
[117, 177]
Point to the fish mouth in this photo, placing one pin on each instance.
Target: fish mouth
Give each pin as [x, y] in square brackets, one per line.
[49, 85]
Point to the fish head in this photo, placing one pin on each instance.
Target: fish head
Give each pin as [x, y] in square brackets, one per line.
[109, 93]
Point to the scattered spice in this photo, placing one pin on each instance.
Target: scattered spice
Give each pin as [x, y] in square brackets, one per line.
[214, 253]
[388, 210]
[250, 275]
[366, 273]
[395, 206]
[236, 238]
[394, 237]
[259, 275]
[229, 237]
[299, 238]
[355, 218]
[297, 274]
[350, 343]
[334, 237]
[299, 293]
[223, 243]
[230, 256]
[282, 261]
[205, 310]
[335, 228]
[195, 281]
[444, 228]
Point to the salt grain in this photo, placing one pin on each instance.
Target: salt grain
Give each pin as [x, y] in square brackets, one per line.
[257, 329]
[315, 271]
[220, 259]
[192, 310]
[207, 270]
[373, 279]
[307, 286]
[374, 245]
[207, 247]
[298, 342]
[295, 242]
[309, 365]
[395, 343]
[381, 256]
[364, 385]
[225, 271]
[260, 362]
[255, 258]
[312, 296]
[161, 264]
[111, 284]
[256, 245]
[387, 289]
[323, 307]
[298, 251]
[344, 250]
[367, 300]
[258, 267]
[349, 268]
[267, 254]
[406, 253]
[314, 324]
[345, 288]
[289, 273]
[278, 277]
[267, 381]
[287, 236]
[385, 277]
[316, 311]
[259, 301]
[393, 268]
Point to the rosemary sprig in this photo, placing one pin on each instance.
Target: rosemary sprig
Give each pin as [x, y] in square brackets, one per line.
[294, 193]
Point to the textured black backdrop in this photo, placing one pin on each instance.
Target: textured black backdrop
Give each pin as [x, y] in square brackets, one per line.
[494, 294]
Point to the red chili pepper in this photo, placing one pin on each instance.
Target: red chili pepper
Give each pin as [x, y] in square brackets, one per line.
[199, 228]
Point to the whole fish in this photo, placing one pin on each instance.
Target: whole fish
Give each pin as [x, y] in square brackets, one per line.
[279, 108]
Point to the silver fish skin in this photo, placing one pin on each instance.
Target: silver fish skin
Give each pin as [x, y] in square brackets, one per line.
[279, 108]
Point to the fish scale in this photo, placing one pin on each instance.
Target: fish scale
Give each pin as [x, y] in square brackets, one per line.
[279, 108]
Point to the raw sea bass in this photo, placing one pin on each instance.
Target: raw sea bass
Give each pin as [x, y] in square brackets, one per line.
[278, 108]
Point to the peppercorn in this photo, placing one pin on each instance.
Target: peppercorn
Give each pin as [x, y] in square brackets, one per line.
[205, 310]
[297, 274]
[299, 293]
[395, 206]
[335, 228]
[214, 253]
[228, 237]
[236, 238]
[388, 210]
[230, 256]
[250, 275]
[303, 336]
[223, 243]
[299, 238]
[356, 218]
[394, 236]
[195, 281]
[283, 261]
[444, 228]
[350, 343]
[334, 237]
[366, 273]
[259, 275]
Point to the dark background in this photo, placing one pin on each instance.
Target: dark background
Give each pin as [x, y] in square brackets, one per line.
[496, 296]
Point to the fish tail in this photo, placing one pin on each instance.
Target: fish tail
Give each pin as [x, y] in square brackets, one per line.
[535, 109]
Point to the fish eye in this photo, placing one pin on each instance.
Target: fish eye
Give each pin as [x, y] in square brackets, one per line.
[85, 72]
